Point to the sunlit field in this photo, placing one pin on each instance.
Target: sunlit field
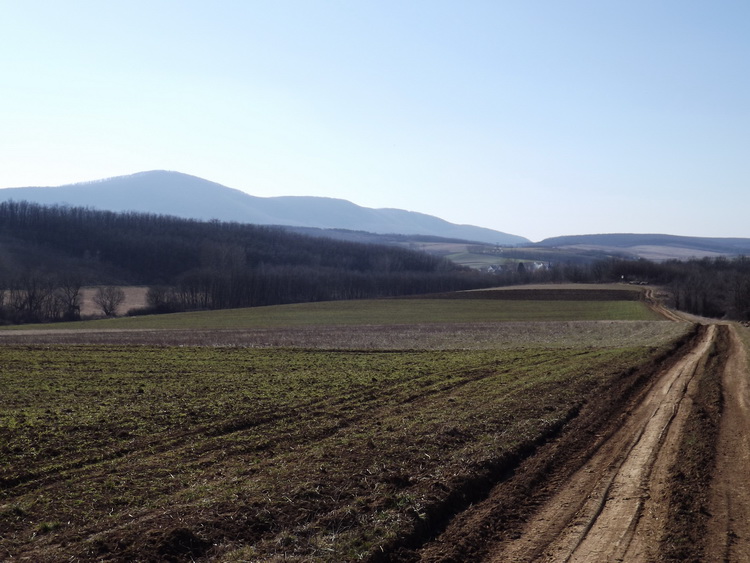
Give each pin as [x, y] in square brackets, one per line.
[328, 431]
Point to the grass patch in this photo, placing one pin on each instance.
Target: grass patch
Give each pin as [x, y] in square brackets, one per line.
[377, 312]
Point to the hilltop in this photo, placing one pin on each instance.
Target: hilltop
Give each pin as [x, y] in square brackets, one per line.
[173, 193]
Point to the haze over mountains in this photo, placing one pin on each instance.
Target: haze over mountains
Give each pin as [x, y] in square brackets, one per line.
[182, 195]
[653, 246]
[173, 193]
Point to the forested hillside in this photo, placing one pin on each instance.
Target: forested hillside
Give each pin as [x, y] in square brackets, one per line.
[190, 197]
[46, 250]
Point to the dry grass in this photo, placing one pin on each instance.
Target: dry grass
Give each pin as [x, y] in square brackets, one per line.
[135, 297]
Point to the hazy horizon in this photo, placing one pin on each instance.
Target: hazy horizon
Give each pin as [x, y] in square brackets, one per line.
[537, 119]
[103, 180]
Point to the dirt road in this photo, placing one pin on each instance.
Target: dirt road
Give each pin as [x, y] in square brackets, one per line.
[619, 504]
[613, 507]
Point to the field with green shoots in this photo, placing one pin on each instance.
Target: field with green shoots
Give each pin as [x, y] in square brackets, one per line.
[500, 305]
[338, 441]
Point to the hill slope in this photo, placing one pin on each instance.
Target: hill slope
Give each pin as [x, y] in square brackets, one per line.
[197, 265]
[653, 246]
[182, 195]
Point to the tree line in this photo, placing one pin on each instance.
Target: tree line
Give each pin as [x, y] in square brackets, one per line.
[33, 297]
[716, 287]
[46, 252]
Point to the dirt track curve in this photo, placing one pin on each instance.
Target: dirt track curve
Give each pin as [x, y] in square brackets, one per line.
[616, 506]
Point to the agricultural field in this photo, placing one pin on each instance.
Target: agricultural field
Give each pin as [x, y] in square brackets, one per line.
[321, 432]
[563, 303]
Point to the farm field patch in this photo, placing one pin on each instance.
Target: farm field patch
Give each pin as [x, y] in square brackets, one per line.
[378, 312]
[425, 336]
[319, 432]
[126, 452]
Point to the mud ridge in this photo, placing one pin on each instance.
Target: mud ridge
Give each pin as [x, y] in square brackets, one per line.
[464, 494]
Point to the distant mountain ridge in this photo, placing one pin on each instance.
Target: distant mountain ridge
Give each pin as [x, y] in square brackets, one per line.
[653, 246]
[182, 195]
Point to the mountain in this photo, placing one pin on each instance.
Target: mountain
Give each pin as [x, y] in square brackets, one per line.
[652, 246]
[173, 193]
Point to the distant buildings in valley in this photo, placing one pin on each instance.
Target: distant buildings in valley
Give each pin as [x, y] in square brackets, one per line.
[516, 267]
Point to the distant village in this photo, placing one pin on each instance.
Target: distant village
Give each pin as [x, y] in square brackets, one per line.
[520, 267]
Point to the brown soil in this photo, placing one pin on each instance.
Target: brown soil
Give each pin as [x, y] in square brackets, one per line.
[623, 480]
[614, 506]
[550, 487]
[550, 293]
[630, 495]
[729, 525]
[424, 336]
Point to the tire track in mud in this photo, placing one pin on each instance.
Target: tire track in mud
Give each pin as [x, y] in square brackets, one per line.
[729, 506]
[343, 412]
[654, 303]
[612, 508]
[148, 453]
[183, 442]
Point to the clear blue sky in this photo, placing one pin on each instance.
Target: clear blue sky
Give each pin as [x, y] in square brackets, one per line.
[537, 118]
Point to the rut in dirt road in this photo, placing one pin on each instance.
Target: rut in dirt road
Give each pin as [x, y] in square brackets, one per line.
[729, 526]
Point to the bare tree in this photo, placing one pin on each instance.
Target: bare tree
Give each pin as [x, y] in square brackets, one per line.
[108, 299]
[69, 294]
[30, 297]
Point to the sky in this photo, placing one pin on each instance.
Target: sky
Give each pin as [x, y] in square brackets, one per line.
[538, 118]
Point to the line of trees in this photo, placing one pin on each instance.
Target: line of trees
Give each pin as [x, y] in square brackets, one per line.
[712, 287]
[197, 265]
[141, 248]
[31, 297]
[34, 297]
[47, 253]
